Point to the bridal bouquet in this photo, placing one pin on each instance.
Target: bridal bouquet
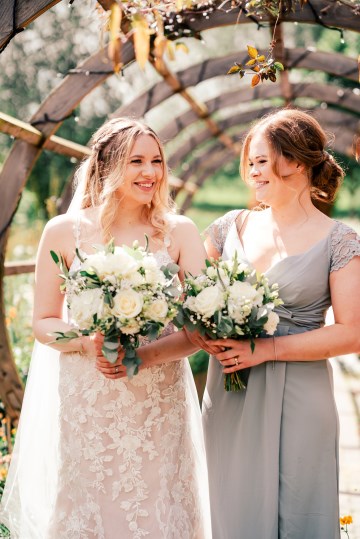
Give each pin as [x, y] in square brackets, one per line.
[122, 293]
[229, 300]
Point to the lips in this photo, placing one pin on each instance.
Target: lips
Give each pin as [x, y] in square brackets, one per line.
[258, 185]
[145, 186]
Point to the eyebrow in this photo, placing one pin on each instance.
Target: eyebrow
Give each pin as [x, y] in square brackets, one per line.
[140, 155]
[257, 156]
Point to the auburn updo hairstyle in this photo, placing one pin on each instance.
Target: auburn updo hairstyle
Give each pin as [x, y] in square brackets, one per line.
[297, 136]
[104, 170]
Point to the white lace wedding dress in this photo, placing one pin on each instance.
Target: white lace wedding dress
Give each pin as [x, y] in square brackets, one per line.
[118, 459]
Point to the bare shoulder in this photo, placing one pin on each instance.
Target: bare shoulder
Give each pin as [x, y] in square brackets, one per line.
[181, 224]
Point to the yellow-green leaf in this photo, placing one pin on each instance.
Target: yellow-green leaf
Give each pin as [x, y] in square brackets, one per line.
[180, 46]
[114, 52]
[115, 21]
[159, 23]
[141, 40]
[170, 50]
[180, 4]
[279, 66]
[261, 58]
[255, 80]
[252, 52]
[160, 44]
[233, 69]
[251, 62]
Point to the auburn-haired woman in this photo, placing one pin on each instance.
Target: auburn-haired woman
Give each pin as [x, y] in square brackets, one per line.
[272, 449]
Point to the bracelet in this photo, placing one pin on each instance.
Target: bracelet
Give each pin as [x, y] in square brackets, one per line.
[275, 353]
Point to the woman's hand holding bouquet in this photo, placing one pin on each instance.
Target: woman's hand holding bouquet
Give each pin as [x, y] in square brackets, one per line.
[229, 300]
[121, 293]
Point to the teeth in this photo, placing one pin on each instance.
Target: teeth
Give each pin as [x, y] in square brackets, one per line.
[145, 184]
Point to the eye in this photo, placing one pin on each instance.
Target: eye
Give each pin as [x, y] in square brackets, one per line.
[158, 161]
[136, 161]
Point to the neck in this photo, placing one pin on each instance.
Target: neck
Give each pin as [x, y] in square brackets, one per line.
[294, 212]
[129, 215]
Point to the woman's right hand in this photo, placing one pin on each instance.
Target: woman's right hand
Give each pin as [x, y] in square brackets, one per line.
[200, 342]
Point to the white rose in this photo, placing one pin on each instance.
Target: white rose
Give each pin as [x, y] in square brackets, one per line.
[211, 272]
[189, 303]
[127, 304]
[121, 262]
[157, 310]
[83, 306]
[242, 291]
[209, 300]
[154, 276]
[131, 328]
[135, 279]
[96, 261]
[272, 322]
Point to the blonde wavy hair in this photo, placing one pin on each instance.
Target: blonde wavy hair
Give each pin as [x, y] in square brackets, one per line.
[104, 171]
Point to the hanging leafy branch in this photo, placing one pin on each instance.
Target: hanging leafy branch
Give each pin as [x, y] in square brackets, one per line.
[261, 67]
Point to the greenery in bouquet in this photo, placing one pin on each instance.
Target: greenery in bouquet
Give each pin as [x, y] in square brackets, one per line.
[122, 293]
[229, 299]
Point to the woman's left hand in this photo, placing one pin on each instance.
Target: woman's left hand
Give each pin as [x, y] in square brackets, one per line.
[237, 354]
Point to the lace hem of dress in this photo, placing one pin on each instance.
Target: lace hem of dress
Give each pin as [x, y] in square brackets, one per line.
[345, 245]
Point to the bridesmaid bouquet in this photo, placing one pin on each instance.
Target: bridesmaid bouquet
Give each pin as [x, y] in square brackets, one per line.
[229, 300]
[123, 294]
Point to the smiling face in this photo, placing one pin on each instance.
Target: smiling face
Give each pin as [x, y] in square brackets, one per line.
[271, 188]
[143, 172]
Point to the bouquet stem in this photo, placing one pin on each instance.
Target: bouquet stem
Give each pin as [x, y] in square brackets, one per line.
[236, 381]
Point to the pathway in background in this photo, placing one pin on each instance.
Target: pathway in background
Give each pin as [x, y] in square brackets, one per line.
[347, 395]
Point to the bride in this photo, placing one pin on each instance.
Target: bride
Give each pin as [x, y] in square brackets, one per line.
[100, 456]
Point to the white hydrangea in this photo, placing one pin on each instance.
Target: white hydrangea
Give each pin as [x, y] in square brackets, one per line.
[85, 305]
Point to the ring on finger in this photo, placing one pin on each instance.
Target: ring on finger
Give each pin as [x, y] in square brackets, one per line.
[116, 369]
[236, 359]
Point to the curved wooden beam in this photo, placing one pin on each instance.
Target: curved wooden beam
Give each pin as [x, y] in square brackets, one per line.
[25, 12]
[343, 98]
[327, 12]
[298, 58]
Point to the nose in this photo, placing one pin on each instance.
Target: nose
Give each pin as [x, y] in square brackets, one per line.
[253, 171]
[148, 170]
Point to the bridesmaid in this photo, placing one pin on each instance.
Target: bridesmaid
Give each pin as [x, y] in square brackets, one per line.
[272, 449]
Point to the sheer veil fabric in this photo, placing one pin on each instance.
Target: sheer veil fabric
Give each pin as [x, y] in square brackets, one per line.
[31, 484]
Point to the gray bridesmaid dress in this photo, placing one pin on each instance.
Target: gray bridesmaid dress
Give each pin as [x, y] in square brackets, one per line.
[272, 450]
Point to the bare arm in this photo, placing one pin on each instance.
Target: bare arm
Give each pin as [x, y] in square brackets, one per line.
[342, 337]
[48, 301]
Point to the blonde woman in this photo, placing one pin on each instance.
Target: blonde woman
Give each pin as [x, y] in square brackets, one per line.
[112, 457]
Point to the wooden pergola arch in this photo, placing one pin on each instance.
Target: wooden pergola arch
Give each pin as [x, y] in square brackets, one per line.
[95, 70]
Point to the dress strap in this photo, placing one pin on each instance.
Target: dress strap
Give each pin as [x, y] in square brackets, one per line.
[77, 231]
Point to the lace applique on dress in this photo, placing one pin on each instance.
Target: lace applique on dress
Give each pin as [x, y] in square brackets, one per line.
[130, 465]
[344, 245]
[219, 229]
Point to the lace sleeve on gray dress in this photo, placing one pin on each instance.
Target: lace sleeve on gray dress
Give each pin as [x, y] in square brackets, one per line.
[345, 244]
[219, 229]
